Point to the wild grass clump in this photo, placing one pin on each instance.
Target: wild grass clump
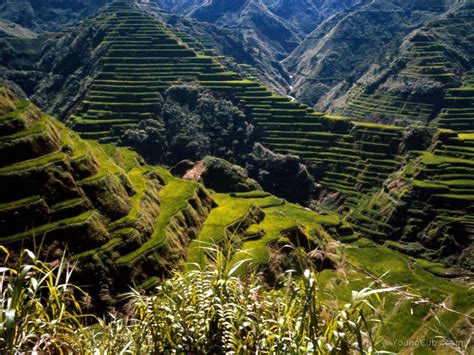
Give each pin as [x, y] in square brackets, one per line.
[38, 307]
[203, 310]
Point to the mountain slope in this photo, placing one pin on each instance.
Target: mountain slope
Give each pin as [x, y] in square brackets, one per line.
[334, 56]
[124, 221]
[142, 61]
[100, 203]
[179, 6]
[120, 219]
[47, 15]
[254, 19]
[305, 15]
[422, 78]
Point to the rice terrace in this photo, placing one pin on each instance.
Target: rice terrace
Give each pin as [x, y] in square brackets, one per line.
[236, 176]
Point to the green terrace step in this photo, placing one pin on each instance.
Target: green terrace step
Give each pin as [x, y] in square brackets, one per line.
[108, 115]
[364, 105]
[122, 88]
[52, 227]
[156, 60]
[121, 106]
[271, 118]
[153, 68]
[36, 163]
[273, 126]
[119, 54]
[83, 125]
[97, 135]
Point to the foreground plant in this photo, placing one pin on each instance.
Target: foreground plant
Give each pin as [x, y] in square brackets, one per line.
[38, 309]
[212, 310]
[199, 311]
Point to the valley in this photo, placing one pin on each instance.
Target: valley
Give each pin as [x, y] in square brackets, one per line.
[348, 153]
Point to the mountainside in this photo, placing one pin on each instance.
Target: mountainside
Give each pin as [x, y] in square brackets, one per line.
[123, 221]
[70, 192]
[240, 52]
[136, 95]
[425, 76]
[377, 191]
[20, 49]
[179, 6]
[305, 15]
[50, 15]
[302, 15]
[339, 52]
[254, 19]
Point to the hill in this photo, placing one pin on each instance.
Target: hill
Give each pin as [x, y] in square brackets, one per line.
[340, 51]
[179, 6]
[124, 221]
[121, 219]
[425, 78]
[98, 202]
[140, 60]
[305, 15]
[43, 16]
[254, 19]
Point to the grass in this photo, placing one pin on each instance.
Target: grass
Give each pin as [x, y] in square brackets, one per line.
[431, 159]
[140, 184]
[408, 312]
[44, 229]
[428, 185]
[278, 218]
[20, 203]
[201, 311]
[174, 197]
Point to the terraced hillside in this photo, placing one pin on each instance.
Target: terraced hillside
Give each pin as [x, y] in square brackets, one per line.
[420, 82]
[427, 208]
[458, 114]
[122, 220]
[264, 230]
[118, 217]
[145, 58]
[350, 160]
[125, 222]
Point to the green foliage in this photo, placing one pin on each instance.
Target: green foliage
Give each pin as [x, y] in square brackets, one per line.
[191, 124]
[200, 311]
[211, 311]
[283, 175]
[38, 307]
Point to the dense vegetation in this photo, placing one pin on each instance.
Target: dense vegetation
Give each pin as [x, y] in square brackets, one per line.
[41, 311]
[388, 188]
[191, 123]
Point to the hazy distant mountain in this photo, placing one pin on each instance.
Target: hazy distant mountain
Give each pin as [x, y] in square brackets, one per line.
[342, 49]
[253, 18]
[47, 15]
[306, 15]
[178, 6]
